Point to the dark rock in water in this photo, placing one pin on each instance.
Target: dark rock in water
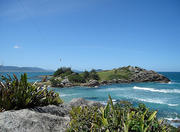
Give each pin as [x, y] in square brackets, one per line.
[41, 119]
[175, 121]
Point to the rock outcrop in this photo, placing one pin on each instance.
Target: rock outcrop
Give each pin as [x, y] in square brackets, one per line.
[40, 119]
[83, 102]
[91, 83]
[142, 75]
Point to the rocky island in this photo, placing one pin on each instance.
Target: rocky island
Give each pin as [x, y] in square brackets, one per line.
[65, 77]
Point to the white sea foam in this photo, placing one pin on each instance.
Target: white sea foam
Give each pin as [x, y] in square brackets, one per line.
[173, 104]
[113, 100]
[156, 101]
[169, 82]
[158, 90]
[170, 119]
[64, 95]
[111, 89]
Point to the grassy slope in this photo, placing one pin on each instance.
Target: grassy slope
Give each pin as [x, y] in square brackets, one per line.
[122, 73]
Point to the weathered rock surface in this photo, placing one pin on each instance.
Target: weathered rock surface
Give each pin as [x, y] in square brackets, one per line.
[30, 121]
[142, 75]
[91, 83]
[40, 119]
[83, 102]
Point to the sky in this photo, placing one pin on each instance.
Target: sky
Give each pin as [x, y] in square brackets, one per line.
[86, 34]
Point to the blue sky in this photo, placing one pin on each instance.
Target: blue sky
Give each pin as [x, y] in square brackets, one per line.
[89, 34]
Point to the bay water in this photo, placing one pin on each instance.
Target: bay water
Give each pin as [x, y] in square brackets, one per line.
[164, 97]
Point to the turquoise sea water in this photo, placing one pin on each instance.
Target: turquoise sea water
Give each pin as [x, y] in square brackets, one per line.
[159, 96]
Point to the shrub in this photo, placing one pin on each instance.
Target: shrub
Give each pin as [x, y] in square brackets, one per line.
[76, 78]
[82, 118]
[93, 75]
[63, 70]
[19, 94]
[55, 82]
[116, 118]
[86, 75]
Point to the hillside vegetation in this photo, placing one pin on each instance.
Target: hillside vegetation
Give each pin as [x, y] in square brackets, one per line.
[65, 77]
[119, 73]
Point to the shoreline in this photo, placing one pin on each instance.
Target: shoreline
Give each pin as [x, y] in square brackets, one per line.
[96, 85]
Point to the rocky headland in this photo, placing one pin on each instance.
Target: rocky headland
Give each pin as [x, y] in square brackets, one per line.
[127, 74]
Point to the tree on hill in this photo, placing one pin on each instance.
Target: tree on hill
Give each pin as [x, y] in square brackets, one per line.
[86, 75]
[94, 75]
[63, 70]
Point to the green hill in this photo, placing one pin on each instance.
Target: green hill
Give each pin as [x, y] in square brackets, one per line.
[65, 77]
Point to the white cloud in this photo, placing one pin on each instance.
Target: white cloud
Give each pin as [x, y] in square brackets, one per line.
[16, 47]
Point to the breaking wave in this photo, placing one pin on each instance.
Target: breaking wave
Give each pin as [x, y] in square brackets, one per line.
[158, 90]
[64, 95]
[156, 101]
[111, 89]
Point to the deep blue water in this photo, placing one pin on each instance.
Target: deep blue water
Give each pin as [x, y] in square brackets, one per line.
[162, 97]
[32, 76]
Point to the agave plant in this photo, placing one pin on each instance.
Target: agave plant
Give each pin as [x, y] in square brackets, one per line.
[115, 118]
[19, 93]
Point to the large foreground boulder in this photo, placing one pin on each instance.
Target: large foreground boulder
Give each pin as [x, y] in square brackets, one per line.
[41, 119]
[30, 121]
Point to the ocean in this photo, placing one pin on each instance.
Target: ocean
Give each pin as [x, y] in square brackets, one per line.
[158, 96]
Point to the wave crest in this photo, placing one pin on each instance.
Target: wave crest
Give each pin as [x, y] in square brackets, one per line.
[158, 90]
[156, 101]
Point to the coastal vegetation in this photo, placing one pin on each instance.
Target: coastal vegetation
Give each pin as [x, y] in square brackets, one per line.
[19, 93]
[66, 75]
[63, 71]
[121, 117]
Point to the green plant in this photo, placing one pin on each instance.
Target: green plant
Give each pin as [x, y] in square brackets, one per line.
[63, 71]
[86, 75]
[76, 78]
[122, 117]
[82, 118]
[93, 75]
[19, 94]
